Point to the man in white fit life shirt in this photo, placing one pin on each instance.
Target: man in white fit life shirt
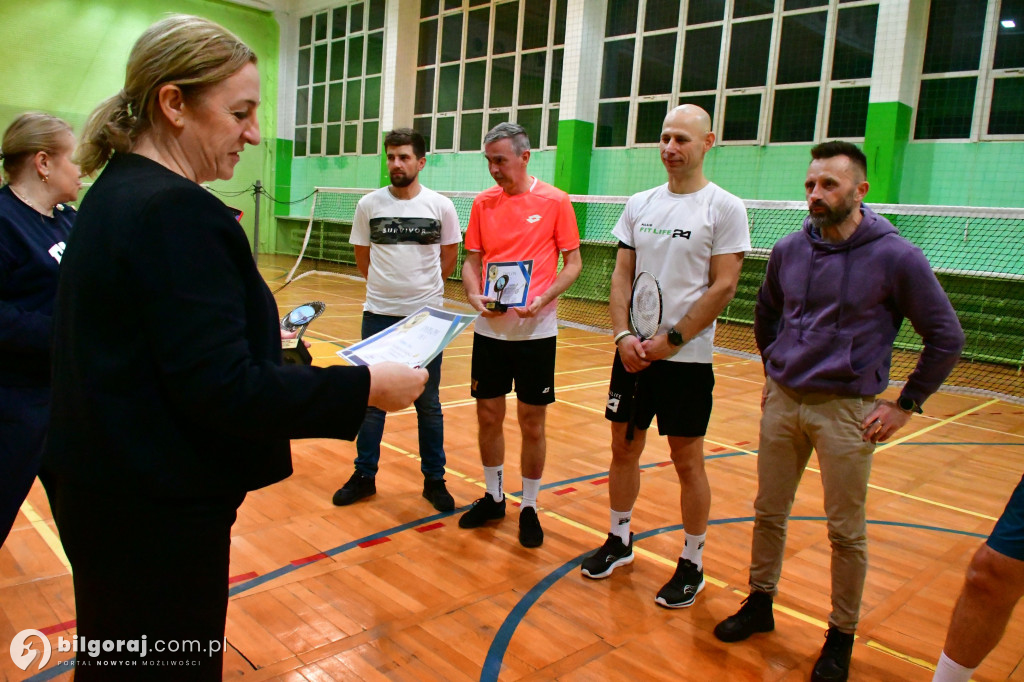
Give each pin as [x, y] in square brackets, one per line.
[691, 235]
[406, 239]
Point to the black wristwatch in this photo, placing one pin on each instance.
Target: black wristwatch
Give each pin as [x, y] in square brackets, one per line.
[674, 337]
[908, 404]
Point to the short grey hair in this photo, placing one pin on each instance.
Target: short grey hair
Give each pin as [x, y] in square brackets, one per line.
[511, 131]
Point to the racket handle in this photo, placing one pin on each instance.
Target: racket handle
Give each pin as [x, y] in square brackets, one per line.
[631, 424]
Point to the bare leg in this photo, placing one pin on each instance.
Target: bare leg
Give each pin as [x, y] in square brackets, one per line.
[624, 471]
[993, 585]
[694, 489]
[531, 425]
[490, 415]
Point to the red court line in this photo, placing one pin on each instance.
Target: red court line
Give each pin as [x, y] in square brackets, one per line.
[308, 559]
[59, 627]
[599, 481]
[432, 526]
[243, 576]
[565, 491]
[371, 543]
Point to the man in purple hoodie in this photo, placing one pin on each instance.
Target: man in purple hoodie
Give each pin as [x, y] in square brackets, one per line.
[833, 299]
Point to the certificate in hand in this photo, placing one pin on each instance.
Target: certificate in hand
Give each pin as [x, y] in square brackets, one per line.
[413, 341]
[508, 283]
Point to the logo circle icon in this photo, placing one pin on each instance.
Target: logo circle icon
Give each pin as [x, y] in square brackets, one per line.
[22, 652]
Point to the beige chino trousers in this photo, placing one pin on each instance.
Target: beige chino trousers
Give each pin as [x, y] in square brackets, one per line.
[793, 424]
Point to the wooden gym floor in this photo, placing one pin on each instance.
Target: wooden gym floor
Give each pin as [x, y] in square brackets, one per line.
[390, 589]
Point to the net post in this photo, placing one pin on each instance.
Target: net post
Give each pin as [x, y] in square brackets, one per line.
[256, 224]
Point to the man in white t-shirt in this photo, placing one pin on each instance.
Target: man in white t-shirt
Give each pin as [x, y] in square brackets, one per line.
[691, 235]
[406, 239]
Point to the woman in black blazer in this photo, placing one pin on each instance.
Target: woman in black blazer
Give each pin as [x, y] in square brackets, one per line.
[170, 401]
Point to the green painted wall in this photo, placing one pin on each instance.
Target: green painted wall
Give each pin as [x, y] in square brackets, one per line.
[282, 188]
[885, 141]
[963, 174]
[66, 56]
[774, 172]
[573, 156]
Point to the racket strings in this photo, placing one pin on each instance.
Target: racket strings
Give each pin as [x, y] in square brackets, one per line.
[645, 311]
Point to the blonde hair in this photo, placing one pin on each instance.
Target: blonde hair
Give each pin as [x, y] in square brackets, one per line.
[189, 52]
[29, 134]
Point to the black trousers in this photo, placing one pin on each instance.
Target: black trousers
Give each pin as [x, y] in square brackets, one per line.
[153, 572]
[24, 416]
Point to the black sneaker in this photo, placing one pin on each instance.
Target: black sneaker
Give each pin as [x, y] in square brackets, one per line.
[483, 510]
[754, 616]
[355, 489]
[437, 494]
[530, 532]
[833, 664]
[682, 589]
[612, 554]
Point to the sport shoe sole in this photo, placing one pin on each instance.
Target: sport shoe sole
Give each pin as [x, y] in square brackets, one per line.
[661, 601]
[622, 561]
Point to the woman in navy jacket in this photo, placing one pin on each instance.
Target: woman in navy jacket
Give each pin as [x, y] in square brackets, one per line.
[34, 228]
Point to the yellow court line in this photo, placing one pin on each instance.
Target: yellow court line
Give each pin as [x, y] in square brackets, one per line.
[915, 434]
[943, 422]
[873, 486]
[49, 537]
[877, 646]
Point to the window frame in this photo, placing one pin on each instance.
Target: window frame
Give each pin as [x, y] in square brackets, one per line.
[825, 84]
[343, 80]
[487, 112]
[986, 76]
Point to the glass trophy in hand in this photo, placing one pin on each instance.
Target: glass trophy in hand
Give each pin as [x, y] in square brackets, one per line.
[293, 351]
[499, 287]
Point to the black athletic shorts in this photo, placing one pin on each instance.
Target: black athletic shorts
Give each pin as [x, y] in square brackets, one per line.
[530, 364]
[1008, 536]
[679, 393]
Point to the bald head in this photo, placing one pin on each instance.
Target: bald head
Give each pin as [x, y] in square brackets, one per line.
[691, 116]
[685, 138]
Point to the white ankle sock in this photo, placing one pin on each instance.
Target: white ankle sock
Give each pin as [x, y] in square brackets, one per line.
[949, 670]
[531, 488]
[494, 477]
[620, 522]
[693, 550]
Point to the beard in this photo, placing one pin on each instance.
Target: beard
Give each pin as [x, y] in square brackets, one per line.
[832, 216]
[402, 180]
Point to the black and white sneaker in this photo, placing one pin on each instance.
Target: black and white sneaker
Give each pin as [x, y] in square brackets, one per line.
[612, 554]
[682, 589]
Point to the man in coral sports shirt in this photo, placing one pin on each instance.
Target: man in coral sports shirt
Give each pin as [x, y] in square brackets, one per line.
[523, 220]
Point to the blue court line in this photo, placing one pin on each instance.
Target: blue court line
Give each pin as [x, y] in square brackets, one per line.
[52, 672]
[499, 645]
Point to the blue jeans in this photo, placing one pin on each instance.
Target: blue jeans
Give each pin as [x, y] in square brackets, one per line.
[428, 417]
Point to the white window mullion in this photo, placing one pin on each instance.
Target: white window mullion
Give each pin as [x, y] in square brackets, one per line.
[983, 93]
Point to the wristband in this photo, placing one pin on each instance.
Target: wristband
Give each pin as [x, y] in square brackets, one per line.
[621, 335]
